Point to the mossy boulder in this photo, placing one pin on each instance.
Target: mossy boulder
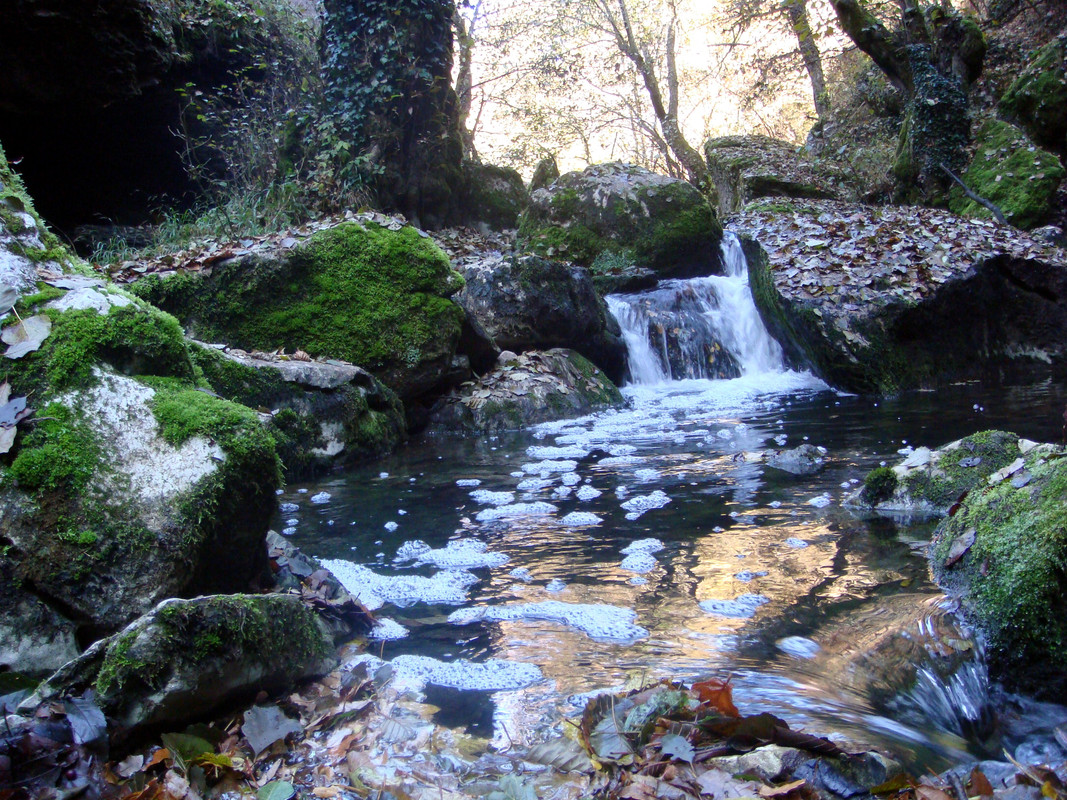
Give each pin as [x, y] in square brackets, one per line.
[133, 485]
[1037, 100]
[545, 172]
[1012, 172]
[747, 168]
[926, 483]
[628, 225]
[187, 658]
[1004, 553]
[525, 302]
[322, 414]
[873, 302]
[26, 244]
[371, 291]
[493, 197]
[526, 390]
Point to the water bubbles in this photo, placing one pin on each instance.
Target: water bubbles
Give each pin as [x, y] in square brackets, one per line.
[321, 498]
[580, 519]
[587, 493]
[741, 607]
[391, 526]
[795, 543]
[555, 585]
[288, 508]
[465, 482]
[798, 646]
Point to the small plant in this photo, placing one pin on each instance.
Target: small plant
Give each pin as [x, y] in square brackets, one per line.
[879, 485]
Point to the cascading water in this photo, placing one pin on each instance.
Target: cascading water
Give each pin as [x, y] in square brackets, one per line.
[698, 328]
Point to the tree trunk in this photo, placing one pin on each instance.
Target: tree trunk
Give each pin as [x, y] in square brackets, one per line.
[797, 11]
[465, 78]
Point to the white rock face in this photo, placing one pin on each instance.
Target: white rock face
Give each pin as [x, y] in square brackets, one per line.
[89, 297]
[145, 466]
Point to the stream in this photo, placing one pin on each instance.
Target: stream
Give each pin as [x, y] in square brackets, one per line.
[516, 574]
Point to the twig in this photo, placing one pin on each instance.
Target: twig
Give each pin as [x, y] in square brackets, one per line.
[993, 207]
[957, 784]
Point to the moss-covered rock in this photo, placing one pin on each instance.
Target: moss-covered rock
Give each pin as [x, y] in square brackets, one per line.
[321, 414]
[544, 174]
[1012, 172]
[526, 390]
[928, 482]
[747, 168]
[186, 658]
[625, 223]
[376, 295]
[133, 485]
[526, 302]
[1005, 554]
[1037, 100]
[493, 197]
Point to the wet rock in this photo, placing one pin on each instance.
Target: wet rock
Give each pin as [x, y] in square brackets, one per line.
[927, 482]
[526, 302]
[749, 168]
[1002, 554]
[849, 776]
[34, 637]
[882, 299]
[322, 413]
[804, 460]
[534, 387]
[186, 658]
[371, 291]
[628, 225]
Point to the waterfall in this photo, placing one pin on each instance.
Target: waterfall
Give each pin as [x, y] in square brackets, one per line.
[697, 328]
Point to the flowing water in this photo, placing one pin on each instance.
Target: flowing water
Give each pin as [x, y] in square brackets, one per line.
[521, 572]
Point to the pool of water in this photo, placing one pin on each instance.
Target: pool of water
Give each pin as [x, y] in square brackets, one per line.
[694, 559]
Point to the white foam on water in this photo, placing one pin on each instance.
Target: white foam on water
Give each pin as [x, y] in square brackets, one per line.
[488, 498]
[387, 630]
[643, 546]
[637, 580]
[412, 673]
[555, 585]
[821, 501]
[465, 482]
[543, 452]
[391, 526]
[462, 554]
[374, 590]
[535, 509]
[293, 521]
[793, 541]
[618, 461]
[521, 574]
[594, 620]
[320, 498]
[647, 474]
[570, 479]
[798, 646]
[586, 493]
[746, 576]
[289, 531]
[534, 484]
[639, 563]
[580, 518]
[641, 503]
[288, 508]
[622, 449]
[741, 607]
[549, 466]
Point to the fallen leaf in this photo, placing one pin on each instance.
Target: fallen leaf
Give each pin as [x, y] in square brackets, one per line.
[780, 791]
[717, 694]
[276, 790]
[676, 746]
[26, 336]
[960, 545]
[264, 725]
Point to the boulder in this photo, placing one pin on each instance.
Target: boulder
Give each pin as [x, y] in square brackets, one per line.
[1012, 172]
[1003, 554]
[546, 171]
[187, 658]
[525, 302]
[748, 168]
[526, 390]
[926, 483]
[628, 225]
[322, 413]
[1037, 99]
[371, 291]
[493, 197]
[804, 460]
[879, 299]
[133, 485]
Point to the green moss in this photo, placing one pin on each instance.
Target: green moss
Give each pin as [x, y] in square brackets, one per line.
[879, 485]
[249, 386]
[118, 666]
[60, 454]
[573, 240]
[947, 480]
[1037, 99]
[1010, 171]
[1015, 573]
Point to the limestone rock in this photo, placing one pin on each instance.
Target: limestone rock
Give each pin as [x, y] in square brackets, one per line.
[526, 302]
[372, 291]
[749, 168]
[186, 658]
[493, 196]
[34, 637]
[879, 299]
[534, 387]
[1003, 554]
[628, 225]
[804, 460]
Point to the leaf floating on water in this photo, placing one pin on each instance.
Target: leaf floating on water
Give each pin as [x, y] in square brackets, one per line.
[26, 336]
[960, 545]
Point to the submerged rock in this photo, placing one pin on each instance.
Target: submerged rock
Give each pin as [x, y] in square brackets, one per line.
[628, 225]
[371, 291]
[187, 658]
[1003, 553]
[928, 482]
[534, 387]
[748, 168]
[884, 299]
[526, 302]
